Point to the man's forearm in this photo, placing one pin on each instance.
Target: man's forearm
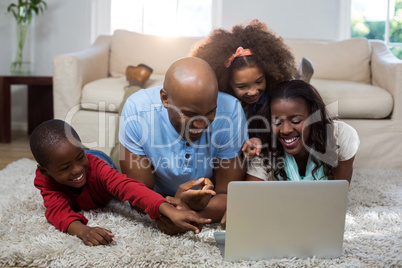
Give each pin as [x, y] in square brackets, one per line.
[215, 208]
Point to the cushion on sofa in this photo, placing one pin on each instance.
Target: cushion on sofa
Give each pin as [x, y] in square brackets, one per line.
[106, 94]
[355, 100]
[130, 48]
[343, 60]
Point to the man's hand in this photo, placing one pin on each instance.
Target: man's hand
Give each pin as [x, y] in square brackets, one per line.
[184, 219]
[91, 236]
[251, 148]
[196, 199]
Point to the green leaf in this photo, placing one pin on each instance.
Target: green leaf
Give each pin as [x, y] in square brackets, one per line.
[24, 5]
[24, 10]
[11, 6]
[35, 9]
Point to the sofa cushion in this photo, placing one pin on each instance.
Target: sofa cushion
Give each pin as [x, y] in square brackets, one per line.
[106, 94]
[355, 100]
[95, 132]
[347, 60]
[130, 48]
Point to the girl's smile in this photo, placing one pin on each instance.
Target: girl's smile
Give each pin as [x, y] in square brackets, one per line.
[252, 99]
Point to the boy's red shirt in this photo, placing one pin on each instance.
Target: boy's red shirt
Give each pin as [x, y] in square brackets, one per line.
[103, 183]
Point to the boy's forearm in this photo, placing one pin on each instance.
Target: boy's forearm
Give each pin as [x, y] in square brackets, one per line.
[76, 228]
[165, 208]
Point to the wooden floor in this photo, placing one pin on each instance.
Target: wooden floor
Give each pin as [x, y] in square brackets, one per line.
[17, 149]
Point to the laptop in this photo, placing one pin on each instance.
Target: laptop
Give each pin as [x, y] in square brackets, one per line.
[277, 219]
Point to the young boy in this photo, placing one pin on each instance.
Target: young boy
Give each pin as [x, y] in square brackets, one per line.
[71, 180]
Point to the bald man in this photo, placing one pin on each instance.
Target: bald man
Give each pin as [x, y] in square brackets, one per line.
[178, 138]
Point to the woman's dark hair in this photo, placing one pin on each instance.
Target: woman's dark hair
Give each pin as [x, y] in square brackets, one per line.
[269, 52]
[321, 137]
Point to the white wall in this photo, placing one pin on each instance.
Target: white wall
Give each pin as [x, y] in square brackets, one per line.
[68, 26]
[311, 19]
[64, 27]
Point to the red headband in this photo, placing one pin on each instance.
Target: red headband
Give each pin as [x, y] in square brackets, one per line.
[240, 52]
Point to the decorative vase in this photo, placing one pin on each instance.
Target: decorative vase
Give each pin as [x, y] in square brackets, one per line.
[22, 63]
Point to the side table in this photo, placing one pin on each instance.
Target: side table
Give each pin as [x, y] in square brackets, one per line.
[40, 101]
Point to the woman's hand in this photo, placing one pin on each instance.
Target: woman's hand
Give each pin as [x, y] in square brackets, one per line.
[223, 221]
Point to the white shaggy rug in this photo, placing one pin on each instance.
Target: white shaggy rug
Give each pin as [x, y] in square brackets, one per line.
[373, 235]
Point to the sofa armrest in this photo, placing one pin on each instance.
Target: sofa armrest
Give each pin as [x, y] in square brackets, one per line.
[386, 72]
[73, 70]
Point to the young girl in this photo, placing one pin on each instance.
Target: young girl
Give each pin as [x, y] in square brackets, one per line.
[303, 143]
[248, 61]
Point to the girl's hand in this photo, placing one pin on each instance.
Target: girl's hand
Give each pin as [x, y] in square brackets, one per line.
[251, 148]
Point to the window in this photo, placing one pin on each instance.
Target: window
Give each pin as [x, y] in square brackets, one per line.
[163, 17]
[378, 19]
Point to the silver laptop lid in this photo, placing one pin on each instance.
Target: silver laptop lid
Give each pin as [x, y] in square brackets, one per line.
[285, 219]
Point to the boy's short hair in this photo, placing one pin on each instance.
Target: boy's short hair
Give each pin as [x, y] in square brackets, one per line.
[47, 136]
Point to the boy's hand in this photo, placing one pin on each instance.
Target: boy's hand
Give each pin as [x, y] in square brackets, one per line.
[251, 148]
[165, 224]
[184, 219]
[95, 236]
[196, 199]
[91, 236]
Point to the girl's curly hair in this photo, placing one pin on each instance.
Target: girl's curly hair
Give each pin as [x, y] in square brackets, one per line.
[322, 137]
[270, 53]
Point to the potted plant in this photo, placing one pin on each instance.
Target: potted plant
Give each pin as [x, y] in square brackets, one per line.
[23, 13]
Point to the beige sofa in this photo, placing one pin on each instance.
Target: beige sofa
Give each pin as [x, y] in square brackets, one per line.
[361, 80]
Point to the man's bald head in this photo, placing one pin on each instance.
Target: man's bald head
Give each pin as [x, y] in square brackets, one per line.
[190, 76]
